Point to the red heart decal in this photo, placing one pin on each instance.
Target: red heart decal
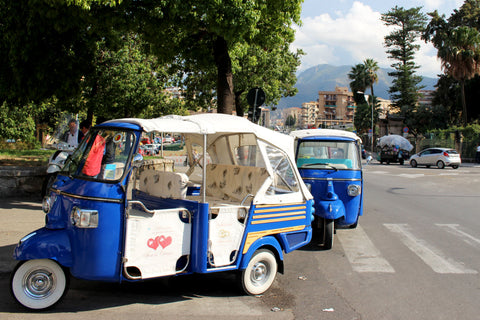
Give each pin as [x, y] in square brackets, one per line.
[164, 242]
[153, 243]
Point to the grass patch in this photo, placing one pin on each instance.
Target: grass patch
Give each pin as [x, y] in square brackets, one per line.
[34, 157]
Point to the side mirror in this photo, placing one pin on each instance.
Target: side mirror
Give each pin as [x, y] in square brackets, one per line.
[137, 161]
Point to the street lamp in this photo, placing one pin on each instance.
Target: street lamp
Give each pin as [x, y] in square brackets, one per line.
[368, 104]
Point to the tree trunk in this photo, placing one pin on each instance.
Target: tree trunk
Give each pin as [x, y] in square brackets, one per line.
[464, 103]
[238, 104]
[224, 77]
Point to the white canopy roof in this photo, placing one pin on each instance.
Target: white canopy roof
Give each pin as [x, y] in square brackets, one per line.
[212, 124]
[324, 133]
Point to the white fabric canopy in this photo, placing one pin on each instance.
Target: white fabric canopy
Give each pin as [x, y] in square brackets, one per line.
[212, 124]
[394, 140]
[324, 133]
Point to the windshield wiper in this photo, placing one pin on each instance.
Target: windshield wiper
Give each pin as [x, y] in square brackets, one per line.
[319, 164]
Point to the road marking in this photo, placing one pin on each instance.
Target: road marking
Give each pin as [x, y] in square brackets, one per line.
[361, 252]
[453, 229]
[411, 175]
[429, 254]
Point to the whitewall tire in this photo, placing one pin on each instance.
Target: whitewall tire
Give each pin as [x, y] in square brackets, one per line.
[260, 272]
[38, 284]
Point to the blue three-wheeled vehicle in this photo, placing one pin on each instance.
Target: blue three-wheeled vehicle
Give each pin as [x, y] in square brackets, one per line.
[240, 207]
[329, 162]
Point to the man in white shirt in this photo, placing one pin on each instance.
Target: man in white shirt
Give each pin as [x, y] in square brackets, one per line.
[71, 135]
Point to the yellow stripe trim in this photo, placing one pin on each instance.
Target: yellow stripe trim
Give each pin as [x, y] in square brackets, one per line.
[280, 205]
[279, 220]
[262, 216]
[281, 209]
[254, 236]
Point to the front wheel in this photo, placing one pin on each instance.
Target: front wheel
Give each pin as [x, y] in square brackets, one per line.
[260, 272]
[38, 284]
[455, 166]
[413, 163]
[328, 233]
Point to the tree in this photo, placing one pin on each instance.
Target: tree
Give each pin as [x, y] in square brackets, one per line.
[460, 55]
[46, 47]
[371, 69]
[458, 48]
[273, 70]
[291, 120]
[358, 75]
[125, 82]
[408, 23]
[364, 76]
[203, 34]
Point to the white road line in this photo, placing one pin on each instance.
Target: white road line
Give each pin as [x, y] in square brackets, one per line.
[429, 254]
[411, 175]
[361, 252]
[453, 229]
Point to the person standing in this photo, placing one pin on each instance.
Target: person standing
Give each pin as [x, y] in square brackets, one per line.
[84, 127]
[71, 136]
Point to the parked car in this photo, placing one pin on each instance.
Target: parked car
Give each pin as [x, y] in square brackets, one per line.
[149, 149]
[439, 157]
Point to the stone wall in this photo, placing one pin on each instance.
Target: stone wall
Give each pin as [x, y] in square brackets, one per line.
[21, 181]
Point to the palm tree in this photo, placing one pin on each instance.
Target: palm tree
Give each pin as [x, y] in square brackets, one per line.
[460, 56]
[371, 68]
[358, 75]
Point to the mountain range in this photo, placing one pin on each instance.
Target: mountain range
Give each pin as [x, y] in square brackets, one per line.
[324, 77]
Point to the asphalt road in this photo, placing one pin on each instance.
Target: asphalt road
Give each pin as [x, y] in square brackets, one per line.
[414, 255]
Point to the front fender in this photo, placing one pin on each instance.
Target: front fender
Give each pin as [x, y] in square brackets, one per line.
[329, 209]
[45, 244]
[268, 241]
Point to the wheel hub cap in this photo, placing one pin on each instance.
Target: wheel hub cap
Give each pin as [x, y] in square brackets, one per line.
[39, 284]
[259, 274]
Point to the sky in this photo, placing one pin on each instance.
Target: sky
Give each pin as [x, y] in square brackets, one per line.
[346, 32]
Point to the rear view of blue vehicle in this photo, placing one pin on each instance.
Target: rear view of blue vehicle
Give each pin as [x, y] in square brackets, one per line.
[329, 162]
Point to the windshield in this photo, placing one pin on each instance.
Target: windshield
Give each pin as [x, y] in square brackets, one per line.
[337, 155]
[102, 155]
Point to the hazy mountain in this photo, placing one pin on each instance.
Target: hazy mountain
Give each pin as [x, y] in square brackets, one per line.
[325, 77]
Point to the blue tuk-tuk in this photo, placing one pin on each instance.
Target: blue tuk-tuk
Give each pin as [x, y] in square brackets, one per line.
[109, 217]
[329, 162]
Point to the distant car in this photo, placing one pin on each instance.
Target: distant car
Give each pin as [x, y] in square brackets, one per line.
[149, 149]
[439, 157]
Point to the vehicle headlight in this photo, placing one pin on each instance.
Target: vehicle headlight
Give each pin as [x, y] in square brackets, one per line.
[82, 218]
[354, 190]
[46, 204]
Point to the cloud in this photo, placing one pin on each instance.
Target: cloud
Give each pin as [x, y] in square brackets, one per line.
[350, 38]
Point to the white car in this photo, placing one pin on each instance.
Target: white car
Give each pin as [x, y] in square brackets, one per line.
[439, 157]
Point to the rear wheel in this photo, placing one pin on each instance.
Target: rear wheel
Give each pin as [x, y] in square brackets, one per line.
[440, 164]
[260, 272]
[413, 163]
[38, 284]
[455, 166]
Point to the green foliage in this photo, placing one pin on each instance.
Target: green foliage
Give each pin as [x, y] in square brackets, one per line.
[126, 82]
[290, 121]
[202, 38]
[364, 76]
[458, 43]
[16, 123]
[408, 23]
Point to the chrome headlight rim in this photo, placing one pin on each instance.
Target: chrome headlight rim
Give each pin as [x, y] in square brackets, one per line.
[354, 190]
